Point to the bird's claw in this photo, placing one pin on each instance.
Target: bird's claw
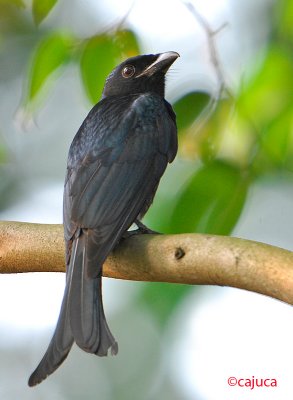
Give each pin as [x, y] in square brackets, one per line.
[141, 230]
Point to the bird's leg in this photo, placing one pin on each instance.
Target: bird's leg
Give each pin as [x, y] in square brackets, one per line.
[144, 229]
[141, 230]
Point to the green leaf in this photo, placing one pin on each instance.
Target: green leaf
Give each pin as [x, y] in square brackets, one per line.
[52, 52]
[212, 200]
[97, 61]
[266, 101]
[17, 3]
[189, 107]
[160, 213]
[270, 91]
[285, 25]
[127, 43]
[277, 138]
[210, 136]
[162, 299]
[41, 9]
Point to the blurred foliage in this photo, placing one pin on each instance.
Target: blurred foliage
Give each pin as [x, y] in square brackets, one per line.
[162, 299]
[212, 200]
[93, 61]
[41, 9]
[267, 100]
[284, 21]
[188, 108]
[17, 3]
[101, 54]
[230, 143]
[97, 56]
[52, 52]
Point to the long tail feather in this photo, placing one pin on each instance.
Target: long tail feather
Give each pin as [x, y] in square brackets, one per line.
[59, 346]
[82, 317]
[88, 323]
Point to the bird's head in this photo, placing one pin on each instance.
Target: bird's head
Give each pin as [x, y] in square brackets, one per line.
[140, 74]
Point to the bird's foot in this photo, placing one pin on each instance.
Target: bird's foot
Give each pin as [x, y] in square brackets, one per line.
[144, 229]
[141, 230]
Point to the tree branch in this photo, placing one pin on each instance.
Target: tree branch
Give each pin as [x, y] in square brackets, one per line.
[185, 258]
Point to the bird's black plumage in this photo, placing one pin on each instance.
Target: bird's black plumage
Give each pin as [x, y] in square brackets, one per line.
[115, 163]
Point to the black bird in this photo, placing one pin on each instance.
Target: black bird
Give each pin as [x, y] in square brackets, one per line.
[115, 163]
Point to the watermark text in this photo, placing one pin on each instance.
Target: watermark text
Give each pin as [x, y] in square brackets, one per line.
[252, 382]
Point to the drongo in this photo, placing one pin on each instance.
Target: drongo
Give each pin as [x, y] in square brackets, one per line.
[115, 163]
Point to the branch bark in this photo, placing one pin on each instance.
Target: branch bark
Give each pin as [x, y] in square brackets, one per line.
[185, 258]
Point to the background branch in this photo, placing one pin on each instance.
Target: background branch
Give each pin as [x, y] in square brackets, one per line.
[185, 258]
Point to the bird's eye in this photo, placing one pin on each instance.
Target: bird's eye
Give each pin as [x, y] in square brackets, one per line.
[128, 71]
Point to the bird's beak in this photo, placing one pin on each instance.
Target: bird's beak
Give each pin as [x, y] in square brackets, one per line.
[162, 63]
